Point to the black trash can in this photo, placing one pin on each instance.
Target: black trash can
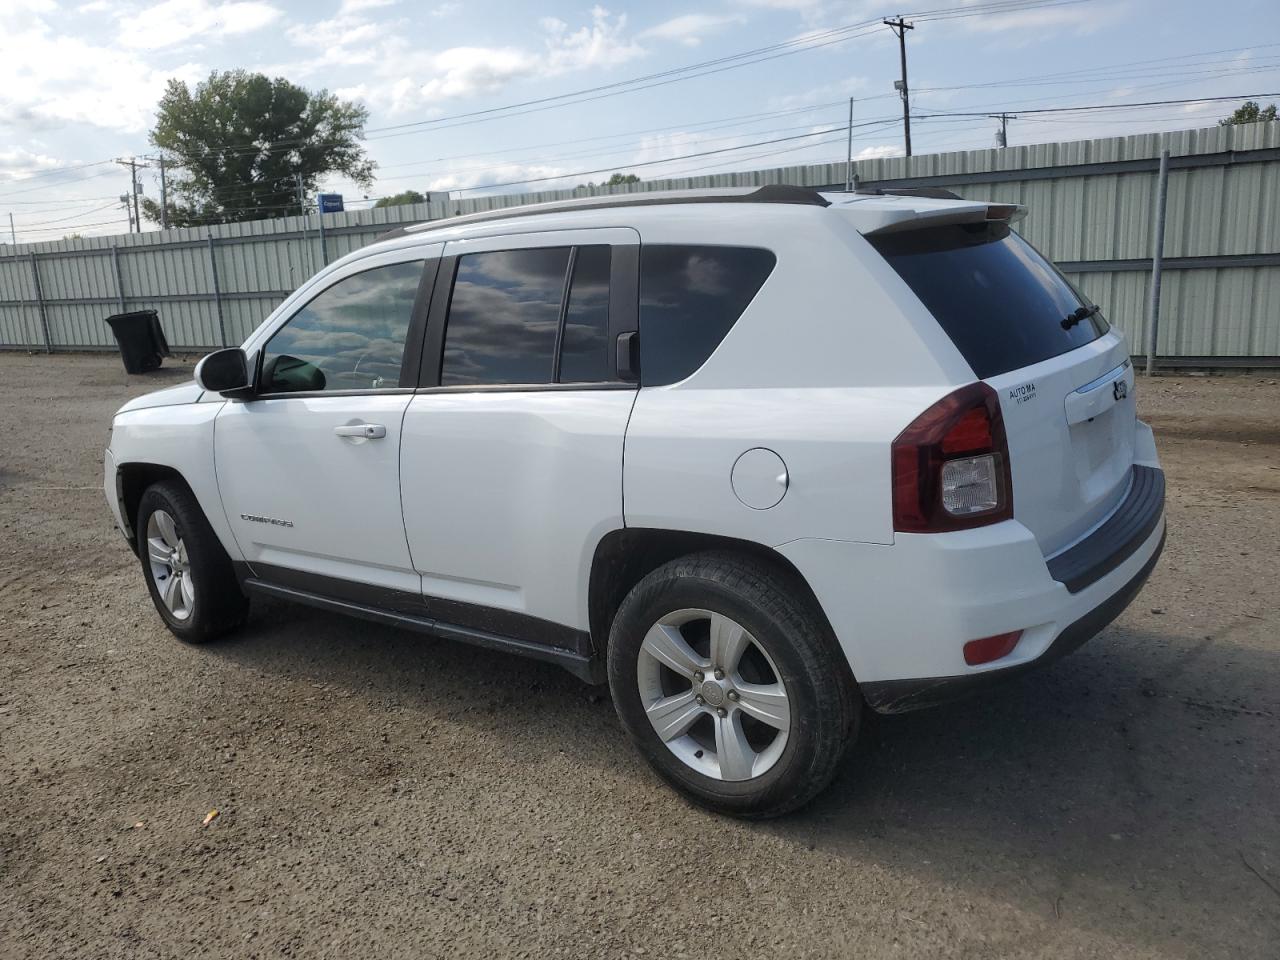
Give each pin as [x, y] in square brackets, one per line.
[142, 342]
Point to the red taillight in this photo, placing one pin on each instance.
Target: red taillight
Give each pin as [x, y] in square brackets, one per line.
[990, 648]
[951, 465]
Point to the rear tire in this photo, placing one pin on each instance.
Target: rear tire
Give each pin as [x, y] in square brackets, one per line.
[188, 574]
[766, 733]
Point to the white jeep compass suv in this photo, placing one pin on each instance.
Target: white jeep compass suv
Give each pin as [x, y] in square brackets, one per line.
[759, 458]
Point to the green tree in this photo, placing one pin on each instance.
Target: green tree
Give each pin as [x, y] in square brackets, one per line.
[408, 196]
[239, 143]
[616, 180]
[1249, 112]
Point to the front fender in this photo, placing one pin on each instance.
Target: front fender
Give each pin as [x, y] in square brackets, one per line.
[176, 438]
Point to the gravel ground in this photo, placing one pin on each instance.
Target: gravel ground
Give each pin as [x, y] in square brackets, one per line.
[381, 794]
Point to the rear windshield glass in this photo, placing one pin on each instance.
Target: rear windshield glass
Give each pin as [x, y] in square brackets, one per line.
[1003, 305]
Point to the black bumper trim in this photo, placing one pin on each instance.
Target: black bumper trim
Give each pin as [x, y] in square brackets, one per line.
[1127, 529]
[899, 696]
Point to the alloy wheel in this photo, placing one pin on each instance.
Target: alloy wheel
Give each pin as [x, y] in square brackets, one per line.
[169, 566]
[713, 694]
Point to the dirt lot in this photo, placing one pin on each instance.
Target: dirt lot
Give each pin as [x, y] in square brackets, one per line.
[385, 795]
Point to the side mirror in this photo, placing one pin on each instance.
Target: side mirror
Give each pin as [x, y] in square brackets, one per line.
[225, 372]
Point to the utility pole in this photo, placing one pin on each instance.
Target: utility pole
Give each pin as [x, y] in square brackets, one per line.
[1157, 260]
[848, 156]
[900, 27]
[1002, 138]
[132, 164]
[13, 234]
[324, 247]
[164, 197]
[133, 174]
[302, 212]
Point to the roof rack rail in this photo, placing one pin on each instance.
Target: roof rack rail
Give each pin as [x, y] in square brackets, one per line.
[932, 193]
[770, 193]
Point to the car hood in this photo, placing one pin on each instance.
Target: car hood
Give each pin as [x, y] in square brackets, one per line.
[188, 392]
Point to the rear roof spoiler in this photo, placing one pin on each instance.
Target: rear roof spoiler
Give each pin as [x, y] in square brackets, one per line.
[931, 212]
[934, 193]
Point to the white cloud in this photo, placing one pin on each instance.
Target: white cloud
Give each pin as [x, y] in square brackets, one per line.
[172, 22]
[784, 4]
[402, 76]
[839, 90]
[1033, 24]
[465, 71]
[878, 152]
[690, 28]
[17, 164]
[602, 44]
[506, 173]
[445, 9]
[49, 78]
[355, 6]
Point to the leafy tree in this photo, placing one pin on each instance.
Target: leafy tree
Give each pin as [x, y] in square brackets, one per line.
[408, 196]
[1249, 112]
[241, 140]
[616, 180]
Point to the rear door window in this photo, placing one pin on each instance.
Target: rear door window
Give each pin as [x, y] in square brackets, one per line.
[504, 317]
[690, 297]
[1002, 304]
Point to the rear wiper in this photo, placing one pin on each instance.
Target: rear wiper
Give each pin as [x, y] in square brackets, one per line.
[1081, 313]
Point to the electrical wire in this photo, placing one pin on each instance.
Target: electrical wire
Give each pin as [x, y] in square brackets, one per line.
[74, 216]
[1108, 106]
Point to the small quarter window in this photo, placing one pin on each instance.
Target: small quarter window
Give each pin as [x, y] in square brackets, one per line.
[504, 316]
[349, 337]
[690, 297]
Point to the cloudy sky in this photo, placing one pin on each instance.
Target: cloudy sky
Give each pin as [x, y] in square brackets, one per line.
[442, 78]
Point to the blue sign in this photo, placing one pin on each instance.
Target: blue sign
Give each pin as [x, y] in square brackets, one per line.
[330, 202]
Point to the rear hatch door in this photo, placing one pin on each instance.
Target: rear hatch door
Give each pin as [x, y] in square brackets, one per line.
[1064, 378]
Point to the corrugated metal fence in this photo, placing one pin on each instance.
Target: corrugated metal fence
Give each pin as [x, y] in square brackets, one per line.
[1091, 211]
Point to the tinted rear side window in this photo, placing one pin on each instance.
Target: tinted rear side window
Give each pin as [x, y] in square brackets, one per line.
[504, 317]
[1003, 305]
[690, 297]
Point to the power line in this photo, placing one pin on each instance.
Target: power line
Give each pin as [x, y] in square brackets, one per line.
[74, 216]
[613, 151]
[1112, 106]
[649, 163]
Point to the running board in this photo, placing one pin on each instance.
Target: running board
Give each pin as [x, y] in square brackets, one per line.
[587, 669]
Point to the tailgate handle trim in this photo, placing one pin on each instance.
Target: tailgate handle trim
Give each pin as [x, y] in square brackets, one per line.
[1094, 399]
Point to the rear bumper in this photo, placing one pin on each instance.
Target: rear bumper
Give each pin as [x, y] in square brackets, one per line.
[1116, 538]
[903, 612]
[898, 696]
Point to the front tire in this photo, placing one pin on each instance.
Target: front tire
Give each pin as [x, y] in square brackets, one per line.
[730, 684]
[188, 574]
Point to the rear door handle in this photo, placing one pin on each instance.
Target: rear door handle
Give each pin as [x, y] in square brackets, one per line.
[369, 431]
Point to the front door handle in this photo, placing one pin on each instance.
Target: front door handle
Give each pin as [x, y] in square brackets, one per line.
[367, 431]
